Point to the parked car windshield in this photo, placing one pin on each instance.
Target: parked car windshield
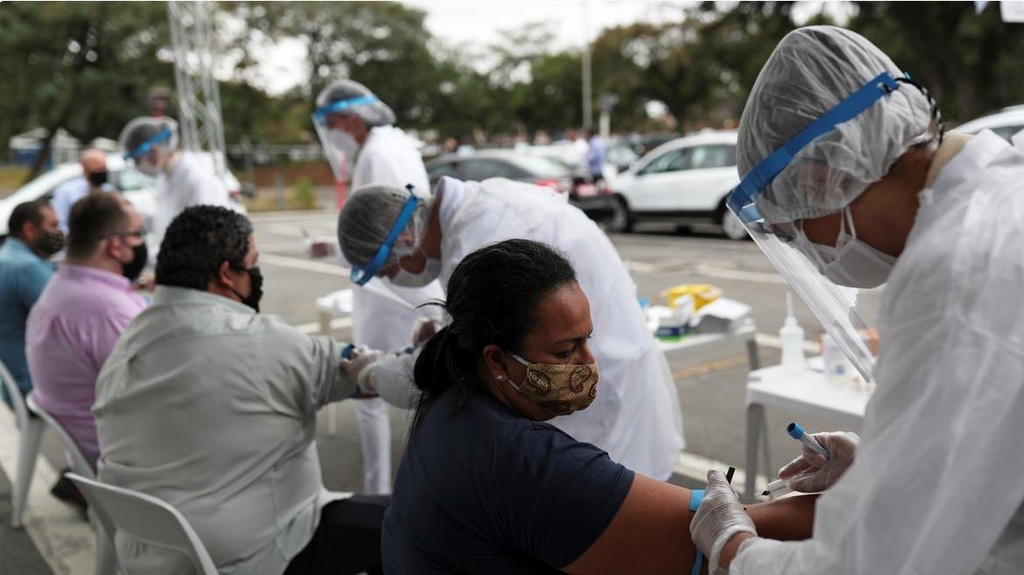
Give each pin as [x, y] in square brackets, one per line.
[544, 167]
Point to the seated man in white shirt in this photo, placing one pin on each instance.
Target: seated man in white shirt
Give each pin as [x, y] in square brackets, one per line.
[211, 406]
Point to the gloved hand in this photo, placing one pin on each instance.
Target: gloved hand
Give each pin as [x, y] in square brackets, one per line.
[719, 517]
[811, 472]
[360, 368]
[317, 247]
[423, 329]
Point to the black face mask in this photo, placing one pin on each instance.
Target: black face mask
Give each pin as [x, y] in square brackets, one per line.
[50, 244]
[97, 179]
[132, 269]
[256, 280]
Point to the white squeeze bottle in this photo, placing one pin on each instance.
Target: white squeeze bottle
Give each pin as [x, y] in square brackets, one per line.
[792, 336]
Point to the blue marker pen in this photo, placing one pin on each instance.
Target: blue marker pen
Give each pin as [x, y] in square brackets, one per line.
[778, 487]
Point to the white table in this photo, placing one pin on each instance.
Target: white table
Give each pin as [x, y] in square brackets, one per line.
[746, 331]
[807, 392]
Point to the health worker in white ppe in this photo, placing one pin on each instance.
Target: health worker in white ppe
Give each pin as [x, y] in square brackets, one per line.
[354, 125]
[184, 178]
[387, 232]
[846, 173]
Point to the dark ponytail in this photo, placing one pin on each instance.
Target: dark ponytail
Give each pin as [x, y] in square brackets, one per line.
[492, 295]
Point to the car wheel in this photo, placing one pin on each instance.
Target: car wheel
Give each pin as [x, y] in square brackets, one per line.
[621, 220]
[732, 227]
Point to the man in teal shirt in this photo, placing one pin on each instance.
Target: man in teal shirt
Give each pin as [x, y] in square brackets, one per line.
[25, 269]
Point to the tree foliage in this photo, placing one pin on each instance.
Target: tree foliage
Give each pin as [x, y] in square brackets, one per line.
[88, 66]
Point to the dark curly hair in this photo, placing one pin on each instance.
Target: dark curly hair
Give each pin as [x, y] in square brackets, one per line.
[197, 241]
[492, 299]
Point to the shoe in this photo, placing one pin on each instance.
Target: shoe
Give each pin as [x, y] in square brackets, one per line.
[66, 491]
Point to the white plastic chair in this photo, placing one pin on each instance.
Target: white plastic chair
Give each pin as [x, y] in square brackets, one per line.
[105, 559]
[31, 432]
[145, 518]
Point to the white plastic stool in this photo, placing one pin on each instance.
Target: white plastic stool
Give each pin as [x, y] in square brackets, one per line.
[31, 431]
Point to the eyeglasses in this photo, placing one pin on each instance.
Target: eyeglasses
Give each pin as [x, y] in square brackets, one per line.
[141, 234]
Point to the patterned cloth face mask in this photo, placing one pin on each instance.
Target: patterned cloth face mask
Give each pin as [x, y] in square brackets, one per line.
[558, 388]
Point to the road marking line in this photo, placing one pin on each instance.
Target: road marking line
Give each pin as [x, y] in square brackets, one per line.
[773, 341]
[759, 277]
[64, 540]
[711, 366]
[314, 327]
[304, 264]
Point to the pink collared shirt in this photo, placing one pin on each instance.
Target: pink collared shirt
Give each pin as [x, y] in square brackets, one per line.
[70, 333]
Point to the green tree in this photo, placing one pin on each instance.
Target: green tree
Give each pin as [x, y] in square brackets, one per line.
[973, 63]
[86, 66]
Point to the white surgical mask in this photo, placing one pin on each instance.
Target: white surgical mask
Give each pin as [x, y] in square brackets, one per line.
[851, 263]
[431, 269]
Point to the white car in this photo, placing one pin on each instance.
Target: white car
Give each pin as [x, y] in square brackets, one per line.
[136, 186]
[684, 181]
[1005, 123]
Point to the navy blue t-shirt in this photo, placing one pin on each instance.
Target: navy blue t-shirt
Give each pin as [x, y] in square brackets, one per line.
[481, 490]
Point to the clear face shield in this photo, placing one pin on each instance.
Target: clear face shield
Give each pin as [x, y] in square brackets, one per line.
[144, 156]
[339, 146]
[841, 310]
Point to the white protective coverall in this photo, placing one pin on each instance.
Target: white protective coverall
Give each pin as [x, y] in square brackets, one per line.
[188, 181]
[636, 416]
[387, 157]
[938, 480]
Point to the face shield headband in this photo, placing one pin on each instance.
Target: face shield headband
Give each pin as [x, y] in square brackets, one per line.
[363, 274]
[741, 200]
[146, 146]
[321, 113]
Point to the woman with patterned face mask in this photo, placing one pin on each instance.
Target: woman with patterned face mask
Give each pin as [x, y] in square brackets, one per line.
[486, 486]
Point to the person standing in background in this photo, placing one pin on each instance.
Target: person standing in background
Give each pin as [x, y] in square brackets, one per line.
[353, 123]
[597, 155]
[94, 177]
[185, 178]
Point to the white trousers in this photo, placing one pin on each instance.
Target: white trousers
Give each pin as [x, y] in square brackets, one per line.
[375, 441]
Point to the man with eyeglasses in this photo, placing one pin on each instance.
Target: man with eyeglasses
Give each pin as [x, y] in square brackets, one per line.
[73, 326]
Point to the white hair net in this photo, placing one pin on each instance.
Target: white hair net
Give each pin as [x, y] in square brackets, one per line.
[367, 218]
[812, 70]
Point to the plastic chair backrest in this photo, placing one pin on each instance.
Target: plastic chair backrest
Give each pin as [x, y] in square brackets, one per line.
[145, 518]
[17, 401]
[82, 465]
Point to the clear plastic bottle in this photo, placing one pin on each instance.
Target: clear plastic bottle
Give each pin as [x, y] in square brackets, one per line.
[792, 336]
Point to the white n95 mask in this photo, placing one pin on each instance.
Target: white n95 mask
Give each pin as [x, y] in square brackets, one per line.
[851, 263]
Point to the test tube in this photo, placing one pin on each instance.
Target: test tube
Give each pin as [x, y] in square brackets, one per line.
[797, 432]
[778, 488]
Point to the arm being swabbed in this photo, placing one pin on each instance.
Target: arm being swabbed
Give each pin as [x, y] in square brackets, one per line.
[386, 373]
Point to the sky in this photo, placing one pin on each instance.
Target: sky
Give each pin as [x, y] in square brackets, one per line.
[477, 23]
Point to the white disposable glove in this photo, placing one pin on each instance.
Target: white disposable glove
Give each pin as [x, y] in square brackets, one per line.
[424, 329]
[361, 369]
[719, 517]
[812, 472]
